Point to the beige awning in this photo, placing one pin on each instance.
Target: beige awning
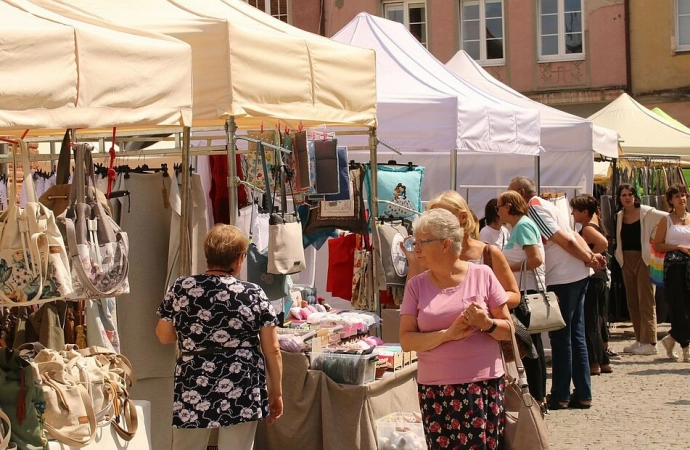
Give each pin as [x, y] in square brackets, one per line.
[643, 132]
[249, 65]
[58, 73]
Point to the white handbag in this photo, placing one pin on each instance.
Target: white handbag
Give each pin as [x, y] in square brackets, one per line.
[285, 249]
[33, 261]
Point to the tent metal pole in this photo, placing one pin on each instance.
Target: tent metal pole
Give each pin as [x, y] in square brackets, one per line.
[454, 169]
[374, 210]
[184, 266]
[537, 173]
[230, 129]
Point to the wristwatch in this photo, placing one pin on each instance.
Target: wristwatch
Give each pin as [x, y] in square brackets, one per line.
[492, 327]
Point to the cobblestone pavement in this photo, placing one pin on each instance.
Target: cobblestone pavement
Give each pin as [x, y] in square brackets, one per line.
[643, 404]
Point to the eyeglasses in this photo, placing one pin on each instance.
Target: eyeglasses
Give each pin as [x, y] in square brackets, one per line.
[411, 243]
[497, 207]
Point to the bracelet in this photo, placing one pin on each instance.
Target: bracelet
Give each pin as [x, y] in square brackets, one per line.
[492, 327]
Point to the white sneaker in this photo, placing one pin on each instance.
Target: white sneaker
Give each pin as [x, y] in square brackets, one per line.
[668, 343]
[631, 347]
[645, 349]
[686, 354]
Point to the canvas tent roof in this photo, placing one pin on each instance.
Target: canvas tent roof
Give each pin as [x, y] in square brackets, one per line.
[422, 106]
[568, 142]
[58, 73]
[560, 131]
[642, 132]
[661, 113]
[252, 71]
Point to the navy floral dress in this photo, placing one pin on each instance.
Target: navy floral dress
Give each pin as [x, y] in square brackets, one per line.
[220, 378]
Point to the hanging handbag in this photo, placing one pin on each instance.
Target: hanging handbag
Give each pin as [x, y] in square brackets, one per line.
[525, 427]
[69, 414]
[98, 248]
[347, 215]
[544, 311]
[56, 198]
[275, 286]
[285, 250]
[21, 398]
[33, 260]
[389, 236]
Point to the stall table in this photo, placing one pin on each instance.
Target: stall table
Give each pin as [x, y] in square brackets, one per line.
[320, 414]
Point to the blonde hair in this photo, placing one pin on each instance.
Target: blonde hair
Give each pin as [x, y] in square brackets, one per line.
[443, 224]
[224, 245]
[456, 204]
[517, 205]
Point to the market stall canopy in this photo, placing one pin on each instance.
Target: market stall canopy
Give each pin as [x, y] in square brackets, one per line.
[57, 73]
[422, 106]
[643, 132]
[560, 131]
[661, 113]
[249, 70]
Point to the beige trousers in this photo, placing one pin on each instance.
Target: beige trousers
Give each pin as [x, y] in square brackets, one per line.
[235, 437]
[639, 292]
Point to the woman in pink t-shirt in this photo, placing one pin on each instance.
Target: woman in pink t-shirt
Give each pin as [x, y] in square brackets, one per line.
[453, 316]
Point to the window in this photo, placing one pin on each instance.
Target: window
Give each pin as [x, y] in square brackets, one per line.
[481, 29]
[410, 14]
[683, 25]
[560, 27]
[276, 8]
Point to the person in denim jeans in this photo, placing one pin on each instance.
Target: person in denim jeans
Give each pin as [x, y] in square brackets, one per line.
[568, 263]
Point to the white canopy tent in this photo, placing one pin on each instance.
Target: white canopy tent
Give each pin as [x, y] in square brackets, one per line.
[643, 132]
[58, 73]
[569, 141]
[428, 113]
[248, 74]
[423, 107]
[251, 71]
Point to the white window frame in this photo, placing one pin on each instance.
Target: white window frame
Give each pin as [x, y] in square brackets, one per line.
[562, 55]
[406, 15]
[679, 47]
[482, 32]
[267, 8]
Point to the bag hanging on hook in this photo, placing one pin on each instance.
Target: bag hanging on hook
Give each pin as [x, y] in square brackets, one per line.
[33, 259]
[285, 250]
[98, 248]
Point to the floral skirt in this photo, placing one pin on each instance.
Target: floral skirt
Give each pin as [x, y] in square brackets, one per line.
[463, 416]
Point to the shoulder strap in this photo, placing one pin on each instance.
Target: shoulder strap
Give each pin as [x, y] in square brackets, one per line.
[487, 255]
[593, 225]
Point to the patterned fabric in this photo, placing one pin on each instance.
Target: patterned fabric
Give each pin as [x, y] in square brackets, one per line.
[221, 316]
[252, 167]
[463, 416]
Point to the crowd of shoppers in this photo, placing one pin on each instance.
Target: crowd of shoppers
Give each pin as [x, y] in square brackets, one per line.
[457, 305]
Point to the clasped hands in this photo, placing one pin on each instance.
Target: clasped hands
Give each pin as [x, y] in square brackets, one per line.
[473, 318]
[598, 261]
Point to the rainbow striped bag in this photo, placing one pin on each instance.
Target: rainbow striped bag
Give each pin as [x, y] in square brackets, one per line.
[656, 267]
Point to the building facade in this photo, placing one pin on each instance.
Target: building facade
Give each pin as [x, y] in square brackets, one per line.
[660, 55]
[575, 55]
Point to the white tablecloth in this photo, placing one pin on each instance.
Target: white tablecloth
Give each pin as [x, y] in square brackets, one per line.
[107, 438]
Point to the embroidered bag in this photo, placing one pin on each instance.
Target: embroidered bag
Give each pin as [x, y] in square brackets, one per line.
[33, 260]
[399, 186]
[97, 247]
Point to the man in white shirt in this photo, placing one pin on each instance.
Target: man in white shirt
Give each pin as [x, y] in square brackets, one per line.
[568, 262]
